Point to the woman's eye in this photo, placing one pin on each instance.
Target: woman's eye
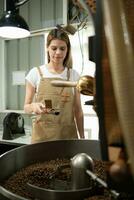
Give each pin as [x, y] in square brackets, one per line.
[62, 48]
[54, 48]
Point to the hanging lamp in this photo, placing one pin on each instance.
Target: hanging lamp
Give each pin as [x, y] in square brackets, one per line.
[12, 25]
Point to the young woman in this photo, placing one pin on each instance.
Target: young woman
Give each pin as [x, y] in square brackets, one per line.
[58, 110]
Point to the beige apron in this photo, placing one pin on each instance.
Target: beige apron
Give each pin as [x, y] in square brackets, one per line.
[49, 126]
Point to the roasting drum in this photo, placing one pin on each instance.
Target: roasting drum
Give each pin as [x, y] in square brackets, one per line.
[15, 159]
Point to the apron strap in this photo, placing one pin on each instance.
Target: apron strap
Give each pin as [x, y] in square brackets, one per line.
[68, 74]
[40, 72]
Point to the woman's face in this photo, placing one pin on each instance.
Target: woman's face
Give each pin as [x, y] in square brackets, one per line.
[57, 51]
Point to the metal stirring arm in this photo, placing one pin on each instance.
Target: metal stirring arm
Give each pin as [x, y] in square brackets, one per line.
[103, 183]
[83, 165]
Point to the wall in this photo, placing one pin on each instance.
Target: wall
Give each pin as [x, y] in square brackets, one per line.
[21, 55]
[44, 13]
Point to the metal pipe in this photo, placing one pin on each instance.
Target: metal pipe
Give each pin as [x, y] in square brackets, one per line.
[9, 5]
[17, 4]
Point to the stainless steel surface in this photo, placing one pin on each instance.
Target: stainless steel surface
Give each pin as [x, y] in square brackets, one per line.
[47, 194]
[23, 156]
[79, 164]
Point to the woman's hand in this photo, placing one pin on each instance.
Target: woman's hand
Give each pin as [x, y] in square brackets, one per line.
[38, 108]
[29, 107]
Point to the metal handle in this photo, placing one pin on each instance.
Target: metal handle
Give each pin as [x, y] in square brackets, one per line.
[102, 183]
[64, 83]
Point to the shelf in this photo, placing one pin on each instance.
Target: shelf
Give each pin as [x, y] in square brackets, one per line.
[16, 111]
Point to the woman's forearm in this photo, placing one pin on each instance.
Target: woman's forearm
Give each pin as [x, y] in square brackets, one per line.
[80, 124]
[28, 108]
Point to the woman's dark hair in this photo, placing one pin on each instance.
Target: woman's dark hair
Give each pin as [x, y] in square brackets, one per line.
[61, 35]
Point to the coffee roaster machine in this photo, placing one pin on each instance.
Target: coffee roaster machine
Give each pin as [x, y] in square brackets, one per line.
[113, 102]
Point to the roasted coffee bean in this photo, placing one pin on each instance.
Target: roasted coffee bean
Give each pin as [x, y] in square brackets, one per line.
[41, 174]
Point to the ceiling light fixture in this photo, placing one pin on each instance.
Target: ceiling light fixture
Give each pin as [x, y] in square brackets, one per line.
[12, 25]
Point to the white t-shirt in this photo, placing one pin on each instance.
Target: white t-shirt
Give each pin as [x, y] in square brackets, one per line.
[34, 77]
